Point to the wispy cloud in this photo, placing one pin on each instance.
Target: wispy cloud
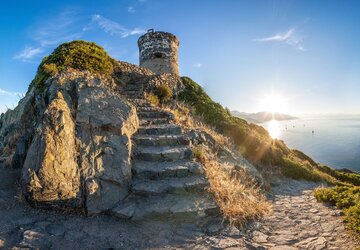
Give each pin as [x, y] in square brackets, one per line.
[197, 65]
[131, 9]
[67, 26]
[28, 53]
[112, 27]
[62, 28]
[290, 37]
[7, 93]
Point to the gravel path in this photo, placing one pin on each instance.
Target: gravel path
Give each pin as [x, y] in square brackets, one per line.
[297, 222]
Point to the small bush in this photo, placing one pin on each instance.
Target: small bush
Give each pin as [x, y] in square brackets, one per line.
[50, 69]
[164, 93]
[199, 153]
[153, 99]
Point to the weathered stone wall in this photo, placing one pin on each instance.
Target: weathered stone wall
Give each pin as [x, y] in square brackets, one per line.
[159, 52]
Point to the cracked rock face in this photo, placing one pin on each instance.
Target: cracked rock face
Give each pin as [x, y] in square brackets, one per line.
[75, 143]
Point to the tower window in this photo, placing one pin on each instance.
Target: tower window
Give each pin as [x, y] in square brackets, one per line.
[158, 55]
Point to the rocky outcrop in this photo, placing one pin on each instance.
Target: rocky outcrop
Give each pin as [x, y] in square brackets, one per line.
[105, 123]
[74, 141]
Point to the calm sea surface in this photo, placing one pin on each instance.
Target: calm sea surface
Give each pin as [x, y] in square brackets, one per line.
[331, 140]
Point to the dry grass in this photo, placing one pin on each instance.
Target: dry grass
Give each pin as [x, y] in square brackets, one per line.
[185, 118]
[152, 98]
[236, 193]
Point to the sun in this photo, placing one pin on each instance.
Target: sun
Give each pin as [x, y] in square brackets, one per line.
[274, 103]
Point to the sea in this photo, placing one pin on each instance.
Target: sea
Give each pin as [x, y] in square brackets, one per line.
[333, 140]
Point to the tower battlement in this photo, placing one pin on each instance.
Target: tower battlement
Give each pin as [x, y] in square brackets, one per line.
[159, 52]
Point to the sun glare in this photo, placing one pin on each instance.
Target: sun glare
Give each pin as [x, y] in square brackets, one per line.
[274, 129]
[274, 103]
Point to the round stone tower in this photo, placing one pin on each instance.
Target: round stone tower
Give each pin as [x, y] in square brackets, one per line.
[159, 52]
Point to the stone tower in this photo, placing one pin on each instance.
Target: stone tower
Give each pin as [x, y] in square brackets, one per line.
[159, 52]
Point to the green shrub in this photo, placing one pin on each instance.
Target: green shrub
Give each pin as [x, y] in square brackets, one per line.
[164, 93]
[153, 99]
[346, 198]
[50, 69]
[297, 170]
[79, 55]
[350, 178]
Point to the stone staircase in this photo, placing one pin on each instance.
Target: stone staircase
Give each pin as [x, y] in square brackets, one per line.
[167, 182]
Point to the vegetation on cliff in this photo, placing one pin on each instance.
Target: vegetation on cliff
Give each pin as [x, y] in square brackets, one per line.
[79, 55]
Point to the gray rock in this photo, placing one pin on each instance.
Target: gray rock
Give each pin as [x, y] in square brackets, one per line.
[50, 174]
[104, 125]
[55, 229]
[79, 157]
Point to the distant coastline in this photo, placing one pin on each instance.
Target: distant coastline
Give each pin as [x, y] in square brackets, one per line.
[261, 117]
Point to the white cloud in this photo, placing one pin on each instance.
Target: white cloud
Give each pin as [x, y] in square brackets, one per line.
[290, 37]
[28, 53]
[62, 28]
[7, 93]
[131, 9]
[197, 65]
[112, 27]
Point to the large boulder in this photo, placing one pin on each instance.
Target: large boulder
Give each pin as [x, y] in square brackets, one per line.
[50, 173]
[79, 157]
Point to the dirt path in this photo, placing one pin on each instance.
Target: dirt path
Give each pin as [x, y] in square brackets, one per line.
[298, 222]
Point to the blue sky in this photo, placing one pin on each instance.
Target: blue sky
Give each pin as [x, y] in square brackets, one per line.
[305, 52]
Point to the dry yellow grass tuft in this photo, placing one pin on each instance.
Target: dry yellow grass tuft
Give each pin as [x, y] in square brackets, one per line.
[236, 193]
[152, 98]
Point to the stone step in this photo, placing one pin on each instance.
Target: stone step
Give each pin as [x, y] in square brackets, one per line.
[161, 129]
[163, 153]
[186, 206]
[140, 102]
[169, 185]
[154, 121]
[161, 140]
[134, 93]
[148, 109]
[158, 170]
[133, 87]
[154, 114]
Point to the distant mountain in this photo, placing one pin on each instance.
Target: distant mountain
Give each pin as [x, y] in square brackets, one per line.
[262, 116]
